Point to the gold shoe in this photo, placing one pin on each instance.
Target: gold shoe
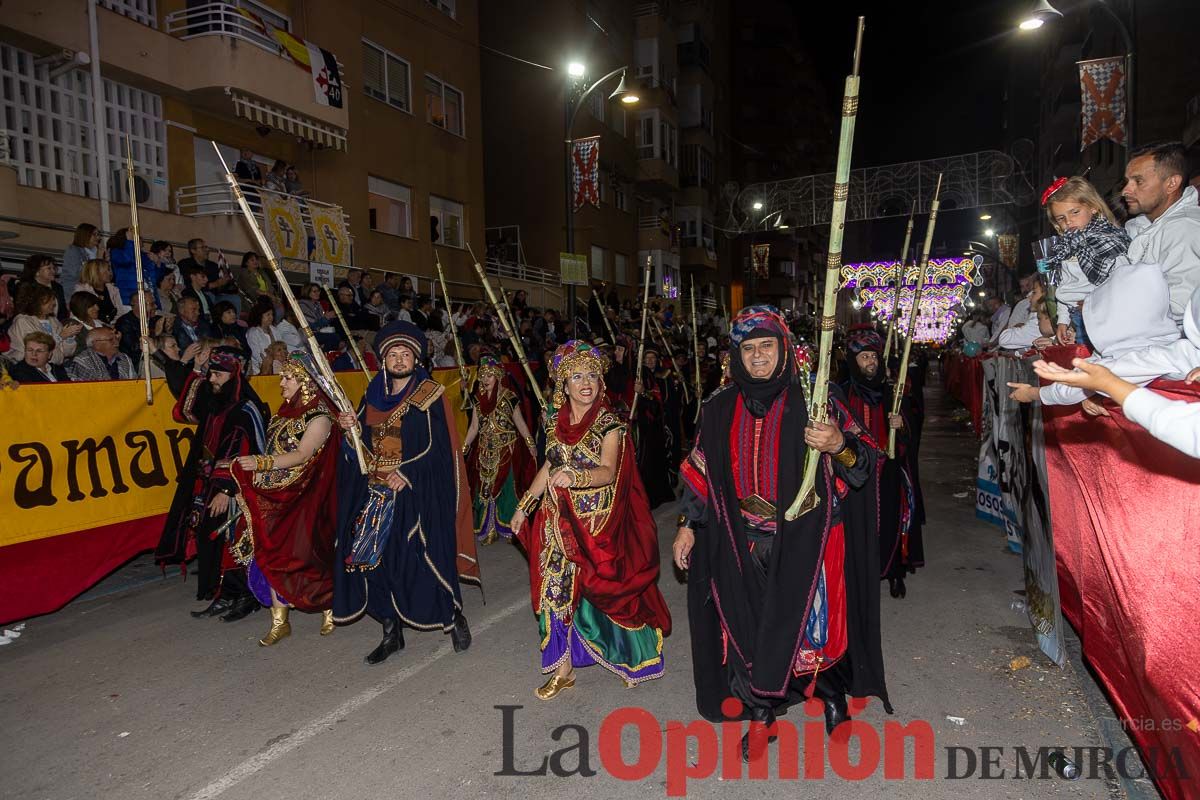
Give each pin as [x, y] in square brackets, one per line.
[550, 689]
[280, 628]
[327, 622]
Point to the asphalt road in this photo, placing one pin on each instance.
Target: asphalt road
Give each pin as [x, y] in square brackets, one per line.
[125, 696]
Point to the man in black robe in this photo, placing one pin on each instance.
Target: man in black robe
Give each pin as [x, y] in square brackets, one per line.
[653, 440]
[779, 609]
[230, 422]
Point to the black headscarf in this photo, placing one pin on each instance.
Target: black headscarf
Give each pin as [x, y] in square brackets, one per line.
[870, 388]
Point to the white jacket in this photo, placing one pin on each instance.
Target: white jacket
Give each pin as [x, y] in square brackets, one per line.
[1173, 242]
[1176, 422]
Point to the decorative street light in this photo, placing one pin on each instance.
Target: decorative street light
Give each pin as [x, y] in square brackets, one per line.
[1044, 12]
[623, 93]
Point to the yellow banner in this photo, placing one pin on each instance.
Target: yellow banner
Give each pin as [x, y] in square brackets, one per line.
[91, 454]
[285, 225]
[329, 230]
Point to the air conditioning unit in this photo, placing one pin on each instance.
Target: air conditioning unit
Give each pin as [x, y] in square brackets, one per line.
[151, 190]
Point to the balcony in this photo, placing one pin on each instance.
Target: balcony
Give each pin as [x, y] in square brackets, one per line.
[654, 232]
[216, 200]
[694, 255]
[694, 54]
[513, 270]
[656, 175]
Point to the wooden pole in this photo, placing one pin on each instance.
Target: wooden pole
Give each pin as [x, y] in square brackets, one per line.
[140, 300]
[696, 350]
[806, 499]
[339, 394]
[604, 316]
[463, 375]
[642, 338]
[358, 356]
[671, 355]
[902, 376]
[512, 335]
[887, 346]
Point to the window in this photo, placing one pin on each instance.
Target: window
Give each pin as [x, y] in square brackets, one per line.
[443, 105]
[597, 263]
[446, 221]
[646, 139]
[389, 207]
[604, 180]
[447, 7]
[616, 120]
[621, 267]
[698, 168]
[668, 149]
[620, 195]
[646, 56]
[386, 76]
[598, 105]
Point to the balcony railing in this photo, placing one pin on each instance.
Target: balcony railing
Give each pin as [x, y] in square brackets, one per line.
[222, 19]
[142, 11]
[5, 147]
[522, 272]
[216, 199]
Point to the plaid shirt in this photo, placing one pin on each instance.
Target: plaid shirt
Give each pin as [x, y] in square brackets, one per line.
[1096, 247]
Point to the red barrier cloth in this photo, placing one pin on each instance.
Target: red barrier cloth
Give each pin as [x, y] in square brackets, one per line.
[964, 382]
[1125, 508]
[44, 575]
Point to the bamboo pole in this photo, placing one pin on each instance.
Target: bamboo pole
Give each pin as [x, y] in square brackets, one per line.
[662, 337]
[463, 375]
[696, 350]
[642, 338]
[887, 346]
[358, 356]
[604, 316]
[807, 499]
[902, 376]
[339, 394]
[512, 335]
[143, 325]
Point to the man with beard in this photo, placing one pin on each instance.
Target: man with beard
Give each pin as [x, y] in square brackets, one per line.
[405, 538]
[653, 442]
[230, 422]
[779, 609]
[869, 396]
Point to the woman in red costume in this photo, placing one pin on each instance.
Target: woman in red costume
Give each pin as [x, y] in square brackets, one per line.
[500, 465]
[592, 543]
[286, 531]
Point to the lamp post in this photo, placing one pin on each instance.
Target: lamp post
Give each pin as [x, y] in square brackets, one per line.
[1044, 12]
[571, 110]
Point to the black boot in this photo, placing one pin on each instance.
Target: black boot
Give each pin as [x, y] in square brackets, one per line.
[836, 711]
[243, 607]
[460, 634]
[214, 609]
[899, 590]
[393, 642]
[762, 714]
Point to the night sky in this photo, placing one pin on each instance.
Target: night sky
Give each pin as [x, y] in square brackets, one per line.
[933, 77]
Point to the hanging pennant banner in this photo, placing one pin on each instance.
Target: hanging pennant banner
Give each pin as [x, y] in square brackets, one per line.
[1102, 85]
[761, 257]
[331, 240]
[585, 171]
[1007, 244]
[285, 225]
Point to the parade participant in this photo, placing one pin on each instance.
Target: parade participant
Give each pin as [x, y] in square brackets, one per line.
[288, 503]
[618, 381]
[404, 529]
[501, 463]
[869, 397]
[229, 418]
[652, 436]
[592, 543]
[779, 609]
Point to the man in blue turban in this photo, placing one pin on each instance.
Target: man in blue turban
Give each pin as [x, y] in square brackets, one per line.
[405, 538]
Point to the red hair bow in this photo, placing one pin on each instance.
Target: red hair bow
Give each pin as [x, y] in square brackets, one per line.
[1054, 187]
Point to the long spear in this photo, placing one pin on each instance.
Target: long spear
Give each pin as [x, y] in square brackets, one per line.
[662, 337]
[339, 394]
[887, 346]
[512, 335]
[902, 377]
[604, 316]
[696, 351]
[807, 499]
[337, 310]
[642, 338]
[463, 375]
[137, 264]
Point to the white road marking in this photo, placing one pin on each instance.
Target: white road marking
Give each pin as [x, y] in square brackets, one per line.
[326, 722]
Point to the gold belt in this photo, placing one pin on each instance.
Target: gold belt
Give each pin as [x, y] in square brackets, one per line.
[757, 506]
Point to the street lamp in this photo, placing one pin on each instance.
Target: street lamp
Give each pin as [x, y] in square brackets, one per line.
[989, 233]
[1043, 12]
[628, 97]
[984, 217]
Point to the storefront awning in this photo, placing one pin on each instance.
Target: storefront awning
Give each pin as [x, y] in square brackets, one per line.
[264, 113]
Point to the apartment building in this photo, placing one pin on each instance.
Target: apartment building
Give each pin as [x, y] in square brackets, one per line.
[401, 156]
[661, 160]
